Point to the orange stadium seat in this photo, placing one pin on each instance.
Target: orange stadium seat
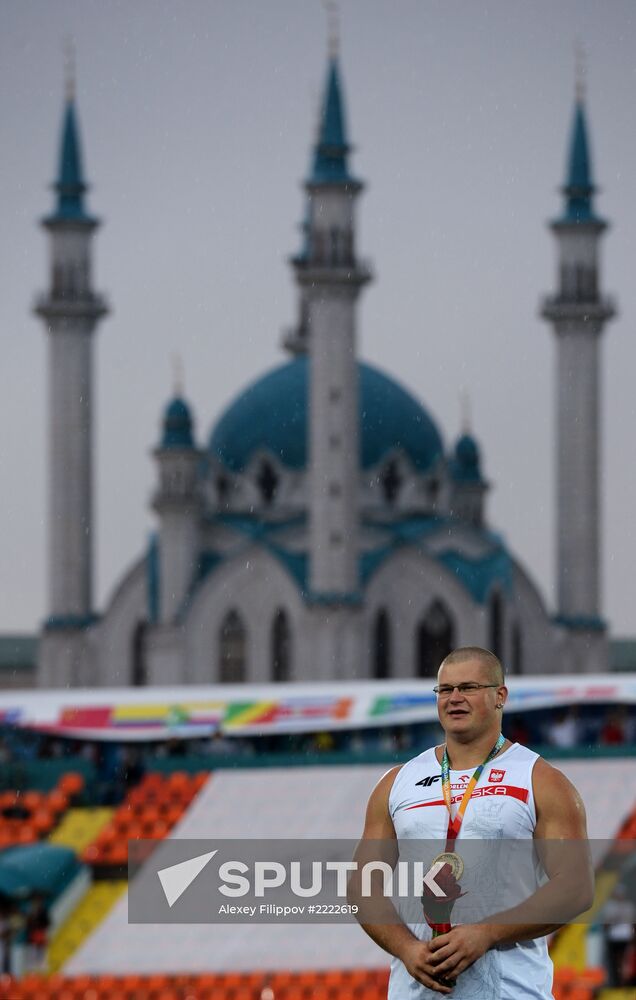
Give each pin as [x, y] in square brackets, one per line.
[71, 783]
[594, 977]
[330, 985]
[57, 801]
[565, 976]
[207, 981]
[32, 800]
[43, 811]
[104, 983]
[574, 984]
[149, 811]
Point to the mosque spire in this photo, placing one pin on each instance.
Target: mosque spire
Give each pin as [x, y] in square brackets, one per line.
[178, 380]
[177, 424]
[580, 69]
[70, 185]
[332, 148]
[71, 309]
[579, 186]
[468, 487]
[330, 277]
[69, 69]
[178, 502]
[465, 411]
[333, 28]
[578, 311]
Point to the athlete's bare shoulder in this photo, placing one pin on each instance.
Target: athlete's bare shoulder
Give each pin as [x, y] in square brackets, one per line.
[378, 823]
[379, 841]
[382, 790]
[560, 809]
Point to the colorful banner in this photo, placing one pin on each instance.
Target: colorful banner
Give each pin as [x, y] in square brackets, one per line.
[160, 713]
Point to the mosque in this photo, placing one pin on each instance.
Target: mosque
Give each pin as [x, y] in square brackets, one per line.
[323, 529]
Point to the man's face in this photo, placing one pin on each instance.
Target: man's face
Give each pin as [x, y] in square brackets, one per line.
[469, 714]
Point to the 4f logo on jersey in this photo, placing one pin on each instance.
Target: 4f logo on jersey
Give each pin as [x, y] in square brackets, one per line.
[429, 780]
[495, 774]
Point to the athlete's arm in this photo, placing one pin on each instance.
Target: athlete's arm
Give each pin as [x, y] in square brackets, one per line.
[379, 843]
[561, 840]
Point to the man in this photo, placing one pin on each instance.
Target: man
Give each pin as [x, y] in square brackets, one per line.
[506, 958]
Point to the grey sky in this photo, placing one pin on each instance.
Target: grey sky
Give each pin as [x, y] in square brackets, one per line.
[196, 121]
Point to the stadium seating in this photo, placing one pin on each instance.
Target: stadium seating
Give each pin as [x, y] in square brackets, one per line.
[575, 984]
[29, 816]
[299, 803]
[345, 984]
[150, 811]
[268, 803]
[103, 957]
[79, 827]
[354, 984]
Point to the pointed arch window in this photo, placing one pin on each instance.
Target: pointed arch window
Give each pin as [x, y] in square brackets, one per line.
[435, 638]
[495, 624]
[232, 649]
[223, 488]
[391, 481]
[381, 646]
[281, 647]
[267, 482]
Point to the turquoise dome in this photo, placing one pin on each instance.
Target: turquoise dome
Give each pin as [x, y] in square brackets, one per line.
[177, 425]
[466, 462]
[271, 414]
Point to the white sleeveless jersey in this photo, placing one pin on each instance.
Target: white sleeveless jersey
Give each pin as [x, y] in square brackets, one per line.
[501, 807]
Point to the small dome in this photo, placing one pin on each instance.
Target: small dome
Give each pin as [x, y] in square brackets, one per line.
[465, 464]
[271, 414]
[177, 425]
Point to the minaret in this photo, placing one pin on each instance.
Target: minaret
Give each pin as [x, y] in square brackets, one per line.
[178, 503]
[468, 487]
[70, 310]
[330, 278]
[578, 312]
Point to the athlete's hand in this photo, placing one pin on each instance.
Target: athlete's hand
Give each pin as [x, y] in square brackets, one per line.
[455, 951]
[417, 958]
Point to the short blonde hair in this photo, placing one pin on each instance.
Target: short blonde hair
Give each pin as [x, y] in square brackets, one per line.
[492, 663]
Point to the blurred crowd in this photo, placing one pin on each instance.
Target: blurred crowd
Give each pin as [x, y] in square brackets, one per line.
[574, 727]
[120, 765]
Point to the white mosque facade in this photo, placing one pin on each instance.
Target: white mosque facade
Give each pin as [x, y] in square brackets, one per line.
[323, 530]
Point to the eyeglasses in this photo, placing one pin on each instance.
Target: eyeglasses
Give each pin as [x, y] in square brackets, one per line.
[470, 687]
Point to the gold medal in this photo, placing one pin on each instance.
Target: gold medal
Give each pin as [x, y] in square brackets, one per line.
[454, 860]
